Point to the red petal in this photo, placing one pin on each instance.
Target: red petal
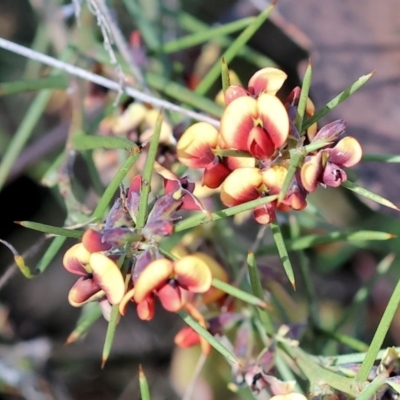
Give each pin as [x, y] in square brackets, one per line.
[240, 186]
[233, 92]
[194, 147]
[170, 297]
[265, 214]
[146, 309]
[84, 291]
[136, 185]
[259, 143]
[92, 241]
[215, 174]
[187, 337]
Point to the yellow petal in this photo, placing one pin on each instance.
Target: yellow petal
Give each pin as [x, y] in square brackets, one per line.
[267, 80]
[155, 275]
[274, 177]
[237, 121]
[275, 120]
[125, 300]
[290, 396]
[130, 119]
[76, 260]
[310, 172]
[194, 146]
[108, 276]
[240, 186]
[240, 162]
[217, 272]
[193, 273]
[347, 152]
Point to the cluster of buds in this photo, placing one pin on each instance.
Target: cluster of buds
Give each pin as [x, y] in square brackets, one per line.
[249, 156]
[98, 257]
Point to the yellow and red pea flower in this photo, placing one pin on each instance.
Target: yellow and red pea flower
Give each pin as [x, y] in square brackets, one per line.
[259, 126]
[170, 279]
[326, 165]
[92, 259]
[100, 277]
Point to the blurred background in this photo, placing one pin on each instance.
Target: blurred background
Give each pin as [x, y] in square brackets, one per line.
[344, 41]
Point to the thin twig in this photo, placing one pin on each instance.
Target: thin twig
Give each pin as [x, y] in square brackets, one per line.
[100, 80]
[121, 44]
[103, 21]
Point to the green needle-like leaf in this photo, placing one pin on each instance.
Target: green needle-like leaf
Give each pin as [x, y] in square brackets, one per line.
[369, 195]
[346, 340]
[305, 89]
[50, 253]
[114, 185]
[51, 230]
[308, 241]
[296, 157]
[239, 294]
[210, 338]
[192, 24]
[318, 374]
[371, 388]
[204, 36]
[143, 384]
[283, 254]
[111, 328]
[203, 218]
[233, 50]
[90, 313]
[386, 158]
[338, 99]
[380, 335]
[306, 275]
[25, 129]
[148, 31]
[147, 173]
[50, 82]
[88, 142]
[225, 75]
[258, 292]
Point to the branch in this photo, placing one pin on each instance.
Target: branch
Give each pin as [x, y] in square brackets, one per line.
[100, 80]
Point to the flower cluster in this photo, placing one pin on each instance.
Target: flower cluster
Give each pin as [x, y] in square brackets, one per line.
[249, 156]
[152, 275]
